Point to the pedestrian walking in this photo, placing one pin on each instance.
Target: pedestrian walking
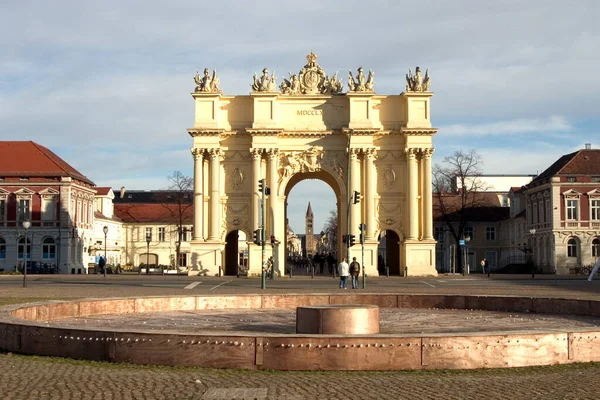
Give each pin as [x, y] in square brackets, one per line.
[354, 271]
[484, 265]
[344, 272]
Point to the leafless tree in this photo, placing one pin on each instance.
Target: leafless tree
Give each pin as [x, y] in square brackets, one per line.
[180, 203]
[331, 228]
[457, 190]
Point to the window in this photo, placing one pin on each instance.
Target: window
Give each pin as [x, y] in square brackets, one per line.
[148, 234]
[595, 178]
[572, 248]
[183, 259]
[48, 210]
[572, 209]
[2, 211]
[468, 231]
[490, 233]
[21, 248]
[48, 249]
[183, 234]
[438, 233]
[595, 248]
[571, 179]
[595, 209]
[24, 209]
[2, 248]
[161, 234]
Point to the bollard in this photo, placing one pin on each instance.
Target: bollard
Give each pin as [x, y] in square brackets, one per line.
[312, 272]
[291, 269]
[406, 271]
[387, 271]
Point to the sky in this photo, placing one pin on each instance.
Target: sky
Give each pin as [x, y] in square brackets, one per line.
[106, 85]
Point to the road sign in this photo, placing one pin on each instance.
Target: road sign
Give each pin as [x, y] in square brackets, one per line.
[461, 242]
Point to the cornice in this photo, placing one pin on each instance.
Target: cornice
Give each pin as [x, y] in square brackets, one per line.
[264, 132]
[204, 132]
[419, 131]
[361, 131]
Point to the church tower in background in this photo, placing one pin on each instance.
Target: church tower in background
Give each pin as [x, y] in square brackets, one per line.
[310, 240]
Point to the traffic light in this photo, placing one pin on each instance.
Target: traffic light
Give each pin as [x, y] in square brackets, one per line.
[362, 228]
[272, 239]
[344, 238]
[258, 237]
[350, 240]
[356, 198]
[262, 187]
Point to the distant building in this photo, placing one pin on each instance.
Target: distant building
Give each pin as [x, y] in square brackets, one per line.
[562, 213]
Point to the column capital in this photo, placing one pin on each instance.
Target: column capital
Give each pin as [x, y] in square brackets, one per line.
[197, 152]
[354, 152]
[411, 152]
[369, 153]
[256, 152]
[272, 153]
[426, 152]
[214, 153]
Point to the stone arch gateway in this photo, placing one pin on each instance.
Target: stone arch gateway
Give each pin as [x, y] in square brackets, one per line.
[378, 145]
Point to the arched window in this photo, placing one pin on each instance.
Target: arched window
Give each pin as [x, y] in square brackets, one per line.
[21, 248]
[572, 248]
[2, 248]
[49, 249]
[595, 248]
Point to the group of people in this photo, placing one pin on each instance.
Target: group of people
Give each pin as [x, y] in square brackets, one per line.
[318, 262]
[352, 270]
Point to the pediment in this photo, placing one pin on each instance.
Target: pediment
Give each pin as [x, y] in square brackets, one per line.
[595, 192]
[25, 192]
[49, 192]
[4, 192]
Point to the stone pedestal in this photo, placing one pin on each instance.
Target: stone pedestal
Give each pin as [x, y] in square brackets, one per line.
[338, 319]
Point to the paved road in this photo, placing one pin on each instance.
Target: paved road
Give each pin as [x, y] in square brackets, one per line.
[25, 377]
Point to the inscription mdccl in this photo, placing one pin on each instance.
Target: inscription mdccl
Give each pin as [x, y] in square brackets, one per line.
[309, 112]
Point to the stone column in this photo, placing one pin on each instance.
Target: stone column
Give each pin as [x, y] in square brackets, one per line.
[370, 180]
[426, 194]
[256, 158]
[215, 191]
[198, 155]
[272, 184]
[355, 209]
[413, 188]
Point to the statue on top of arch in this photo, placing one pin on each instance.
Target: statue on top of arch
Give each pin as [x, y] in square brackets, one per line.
[417, 83]
[361, 84]
[265, 83]
[311, 80]
[207, 83]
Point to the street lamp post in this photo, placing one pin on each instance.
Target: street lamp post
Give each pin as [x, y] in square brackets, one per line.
[26, 225]
[532, 232]
[148, 240]
[105, 230]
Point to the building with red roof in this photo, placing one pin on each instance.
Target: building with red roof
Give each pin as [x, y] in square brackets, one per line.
[57, 200]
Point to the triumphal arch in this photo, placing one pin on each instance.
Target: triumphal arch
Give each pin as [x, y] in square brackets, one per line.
[309, 127]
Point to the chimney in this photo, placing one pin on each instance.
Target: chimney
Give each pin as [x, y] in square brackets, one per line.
[588, 146]
[122, 191]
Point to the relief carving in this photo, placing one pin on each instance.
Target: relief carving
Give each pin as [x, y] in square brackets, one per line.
[207, 83]
[388, 177]
[311, 80]
[417, 83]
[236, 178]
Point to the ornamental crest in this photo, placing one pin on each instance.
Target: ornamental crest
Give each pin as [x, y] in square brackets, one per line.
[311, 80]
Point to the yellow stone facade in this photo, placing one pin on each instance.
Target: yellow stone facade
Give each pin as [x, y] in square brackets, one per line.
[384, 141]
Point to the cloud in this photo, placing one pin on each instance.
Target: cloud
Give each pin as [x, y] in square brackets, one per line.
[550, 124]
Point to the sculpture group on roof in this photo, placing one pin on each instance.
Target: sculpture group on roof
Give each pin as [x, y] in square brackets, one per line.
[312, 80]
[417, 83]
[207, 83]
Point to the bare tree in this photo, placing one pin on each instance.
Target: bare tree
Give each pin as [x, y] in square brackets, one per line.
[457, 189]
[331, 228]
[180, 196]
